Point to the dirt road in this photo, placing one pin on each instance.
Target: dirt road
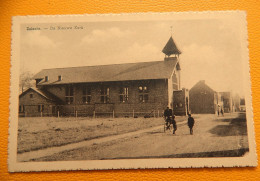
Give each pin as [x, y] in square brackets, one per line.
[213, 136]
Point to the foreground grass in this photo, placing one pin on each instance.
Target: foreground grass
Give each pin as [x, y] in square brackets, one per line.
[38, 133]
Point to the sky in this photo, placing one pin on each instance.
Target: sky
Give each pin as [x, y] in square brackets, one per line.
[210, 47]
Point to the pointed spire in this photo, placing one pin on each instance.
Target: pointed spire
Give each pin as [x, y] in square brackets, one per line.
[171, 48]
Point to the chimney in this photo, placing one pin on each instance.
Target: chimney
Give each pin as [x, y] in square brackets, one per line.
[59, 78]
[37, 81]
[46, 78]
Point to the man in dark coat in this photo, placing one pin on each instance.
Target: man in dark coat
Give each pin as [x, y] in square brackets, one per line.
[191, 123]
[167, 115]
[167, 112]
[174, 124]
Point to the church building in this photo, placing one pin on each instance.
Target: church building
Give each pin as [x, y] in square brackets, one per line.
[131, 89]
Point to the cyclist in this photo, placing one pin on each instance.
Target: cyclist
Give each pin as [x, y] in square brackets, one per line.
[168, 117]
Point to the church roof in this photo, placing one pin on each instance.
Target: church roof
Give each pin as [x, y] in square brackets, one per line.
[108, 73]
[171, 48]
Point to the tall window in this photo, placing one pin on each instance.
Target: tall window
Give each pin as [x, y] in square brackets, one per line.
[40, 108]
[123, 94]
[104, 96]
[69, 95]
[143, 93]
[86, 98]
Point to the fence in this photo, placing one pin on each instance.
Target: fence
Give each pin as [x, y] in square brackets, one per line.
[36, 114]
[95, 114]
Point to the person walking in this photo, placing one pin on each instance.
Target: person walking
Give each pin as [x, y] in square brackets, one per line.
[174, 124]
[222, 112]
[190, 123]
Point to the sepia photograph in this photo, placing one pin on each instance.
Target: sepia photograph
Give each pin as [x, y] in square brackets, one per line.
[130, 91]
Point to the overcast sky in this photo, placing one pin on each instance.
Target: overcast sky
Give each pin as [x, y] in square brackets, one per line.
[210, 48]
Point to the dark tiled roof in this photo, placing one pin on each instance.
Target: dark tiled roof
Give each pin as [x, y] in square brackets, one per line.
[171, 48]
[43, 93]
[201, 85]
[108, 73]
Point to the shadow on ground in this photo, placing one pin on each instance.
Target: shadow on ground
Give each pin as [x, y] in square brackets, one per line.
[237, 126]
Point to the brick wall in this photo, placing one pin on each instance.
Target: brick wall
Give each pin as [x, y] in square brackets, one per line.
[30, 104]
[181, 102]
[202, 100]
[157, 97]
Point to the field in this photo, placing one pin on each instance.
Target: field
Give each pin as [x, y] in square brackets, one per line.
[41, 132]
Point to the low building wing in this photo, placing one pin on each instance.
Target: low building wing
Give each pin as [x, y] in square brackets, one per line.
[46, 95]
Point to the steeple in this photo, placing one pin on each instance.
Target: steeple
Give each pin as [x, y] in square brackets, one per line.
[171, 49]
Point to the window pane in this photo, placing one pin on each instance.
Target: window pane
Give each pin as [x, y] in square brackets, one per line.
[67, 100]
[84, 91]
[145, 97]
[126, 97]
[141, 98]
[88, 99]
[89, 91]
[121, 98]
[121, 90]
[105, 99]
[107, 93]
[71, 91]
[84, 99]
[67, 91]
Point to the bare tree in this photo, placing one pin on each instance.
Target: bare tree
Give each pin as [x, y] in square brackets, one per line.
[25, 81]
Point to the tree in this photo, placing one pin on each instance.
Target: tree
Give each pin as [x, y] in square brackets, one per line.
[25, 81]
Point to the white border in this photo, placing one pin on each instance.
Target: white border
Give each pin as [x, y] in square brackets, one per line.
[250, 159]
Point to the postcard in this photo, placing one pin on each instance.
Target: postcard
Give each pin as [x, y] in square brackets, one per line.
[130, 91]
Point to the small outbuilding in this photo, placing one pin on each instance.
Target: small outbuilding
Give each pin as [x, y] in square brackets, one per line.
[203, 99]
[36, 102]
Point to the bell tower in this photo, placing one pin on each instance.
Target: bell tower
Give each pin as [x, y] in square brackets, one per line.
[170, 50]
